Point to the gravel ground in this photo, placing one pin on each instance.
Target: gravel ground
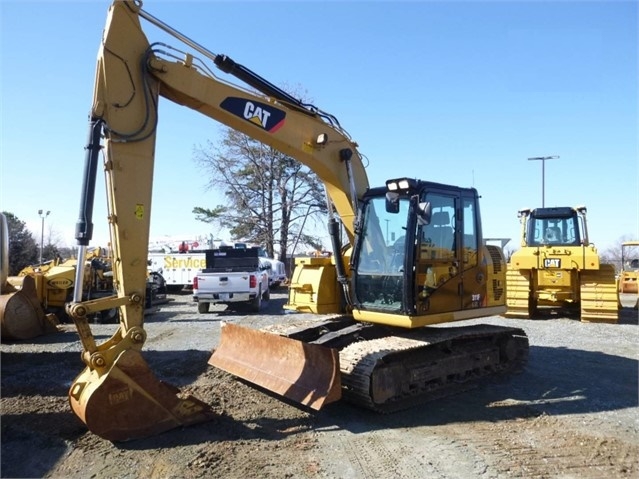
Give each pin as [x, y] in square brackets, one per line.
[573, 413]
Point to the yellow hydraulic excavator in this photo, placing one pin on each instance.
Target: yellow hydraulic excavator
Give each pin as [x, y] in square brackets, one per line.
[411, 255]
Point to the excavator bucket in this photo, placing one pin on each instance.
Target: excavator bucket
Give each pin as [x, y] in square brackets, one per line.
[21, 314]
[129, 402]
[304, 373]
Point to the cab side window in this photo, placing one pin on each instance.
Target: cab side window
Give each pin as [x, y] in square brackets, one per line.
[439, 234]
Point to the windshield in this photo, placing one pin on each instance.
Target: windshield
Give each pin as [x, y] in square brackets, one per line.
[379, 281]
[553, 231]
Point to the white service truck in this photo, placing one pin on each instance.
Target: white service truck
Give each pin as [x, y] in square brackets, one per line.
[236, 277]
[179, 269]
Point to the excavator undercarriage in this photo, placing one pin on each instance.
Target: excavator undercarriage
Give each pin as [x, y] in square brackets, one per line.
[380, 368]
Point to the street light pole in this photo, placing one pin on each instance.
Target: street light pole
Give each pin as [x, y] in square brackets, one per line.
[543, 174]
[42, 216]
[387, 231]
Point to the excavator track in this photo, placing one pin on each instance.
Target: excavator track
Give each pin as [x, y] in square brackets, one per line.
[398, 372]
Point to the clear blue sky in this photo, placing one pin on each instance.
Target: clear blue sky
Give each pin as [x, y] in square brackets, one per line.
[453, 92]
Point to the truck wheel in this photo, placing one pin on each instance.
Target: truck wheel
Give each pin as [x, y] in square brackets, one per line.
[267, 295]
[256, 303]
[202, 308]
[107, 316]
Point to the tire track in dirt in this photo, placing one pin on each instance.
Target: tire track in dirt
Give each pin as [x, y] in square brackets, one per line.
[546, 446]
[405, 453]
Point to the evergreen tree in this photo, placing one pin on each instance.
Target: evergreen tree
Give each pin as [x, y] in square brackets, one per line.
[23, 249]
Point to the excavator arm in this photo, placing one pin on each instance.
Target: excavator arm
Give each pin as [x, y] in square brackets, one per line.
[116, 395]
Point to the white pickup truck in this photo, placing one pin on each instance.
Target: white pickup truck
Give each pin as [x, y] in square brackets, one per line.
[235, 277]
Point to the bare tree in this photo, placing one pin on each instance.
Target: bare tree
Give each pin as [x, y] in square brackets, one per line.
[268, 194]
[612, 254]
[508, 252]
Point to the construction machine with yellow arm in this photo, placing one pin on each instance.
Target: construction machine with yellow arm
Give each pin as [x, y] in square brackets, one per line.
[49, 286]
[557, 267]
[408, 256]
[54, 282]
[21, 313]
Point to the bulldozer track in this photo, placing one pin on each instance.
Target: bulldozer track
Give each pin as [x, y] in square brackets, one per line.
[517, 294]
[599, 297]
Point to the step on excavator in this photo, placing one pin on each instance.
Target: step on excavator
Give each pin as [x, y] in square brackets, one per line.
[408, 256]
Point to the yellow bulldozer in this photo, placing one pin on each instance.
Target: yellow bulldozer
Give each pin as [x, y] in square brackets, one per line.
[33, 302]
[21, 313]
[558, 268]
[54, 283]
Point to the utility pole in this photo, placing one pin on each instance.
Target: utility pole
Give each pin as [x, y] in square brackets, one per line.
[543, 174]
[42, 216]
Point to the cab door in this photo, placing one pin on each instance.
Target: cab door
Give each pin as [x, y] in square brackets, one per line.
[473, 275]
[437, 255]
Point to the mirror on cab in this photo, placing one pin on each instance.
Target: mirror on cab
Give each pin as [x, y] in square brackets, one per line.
[424, 211]
[392, 202]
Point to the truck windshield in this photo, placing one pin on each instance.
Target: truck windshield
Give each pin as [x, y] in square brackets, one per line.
[379, 275]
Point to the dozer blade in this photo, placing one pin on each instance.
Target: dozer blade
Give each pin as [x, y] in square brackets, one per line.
[305, 373]
[129, 402]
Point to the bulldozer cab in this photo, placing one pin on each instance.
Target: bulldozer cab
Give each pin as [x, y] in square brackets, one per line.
[630, 256]
[554, 226]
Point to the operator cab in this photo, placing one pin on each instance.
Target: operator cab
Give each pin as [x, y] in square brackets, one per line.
[559, 226]
[417, 239]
